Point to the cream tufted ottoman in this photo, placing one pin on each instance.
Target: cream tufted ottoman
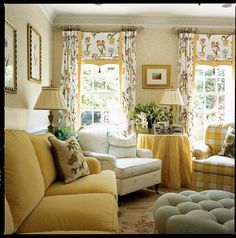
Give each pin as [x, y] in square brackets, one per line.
[190, 212]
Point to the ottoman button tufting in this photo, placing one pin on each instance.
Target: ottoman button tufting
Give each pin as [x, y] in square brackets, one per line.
[191, 212]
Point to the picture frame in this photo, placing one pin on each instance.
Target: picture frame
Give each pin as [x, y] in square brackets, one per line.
[177, 128]
[10, 58]
[34, 55]
[162, 123]
[158, 130]
[156, 76]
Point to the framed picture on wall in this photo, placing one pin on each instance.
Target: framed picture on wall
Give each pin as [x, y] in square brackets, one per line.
[34, 55]
[10, 58]
[156, 76]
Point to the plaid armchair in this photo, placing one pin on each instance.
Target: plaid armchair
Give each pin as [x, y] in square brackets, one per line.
[210, 170]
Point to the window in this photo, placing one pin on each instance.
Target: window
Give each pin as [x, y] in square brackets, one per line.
[213, 97]
[100, 94]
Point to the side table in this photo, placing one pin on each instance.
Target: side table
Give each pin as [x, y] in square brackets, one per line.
[174, 152]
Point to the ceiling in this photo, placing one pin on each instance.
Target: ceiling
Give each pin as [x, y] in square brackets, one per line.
[149, 14]
[167, 10]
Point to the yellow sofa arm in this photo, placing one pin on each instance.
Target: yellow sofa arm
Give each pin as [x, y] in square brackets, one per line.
[94, 165]
[201, 151]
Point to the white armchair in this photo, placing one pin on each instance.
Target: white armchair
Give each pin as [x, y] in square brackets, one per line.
[135, 168]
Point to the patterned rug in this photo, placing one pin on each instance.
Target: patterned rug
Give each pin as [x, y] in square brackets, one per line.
[135, 211]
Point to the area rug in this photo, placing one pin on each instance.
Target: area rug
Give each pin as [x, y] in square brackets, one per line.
[135, 211]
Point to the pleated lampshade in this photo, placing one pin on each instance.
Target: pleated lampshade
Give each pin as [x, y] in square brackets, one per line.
[172, 97]
[50, 98]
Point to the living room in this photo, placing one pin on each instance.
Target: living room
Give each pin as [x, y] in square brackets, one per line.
[114, 68]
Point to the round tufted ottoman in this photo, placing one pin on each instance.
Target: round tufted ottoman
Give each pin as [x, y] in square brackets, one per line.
[190, 212]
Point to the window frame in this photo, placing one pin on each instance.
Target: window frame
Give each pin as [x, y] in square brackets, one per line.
[205, 94]
[99, 62]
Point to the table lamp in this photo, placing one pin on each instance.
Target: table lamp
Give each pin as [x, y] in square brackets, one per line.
[171, 97]
[50, 98]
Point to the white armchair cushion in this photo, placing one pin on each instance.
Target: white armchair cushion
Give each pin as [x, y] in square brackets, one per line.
[93, 139]
[121, 147]
[144, 153]
[130, 167]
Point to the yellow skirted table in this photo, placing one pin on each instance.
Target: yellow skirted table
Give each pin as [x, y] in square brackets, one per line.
[174, 152]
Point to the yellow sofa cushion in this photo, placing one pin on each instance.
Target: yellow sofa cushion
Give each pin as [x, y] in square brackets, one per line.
[24, 185]
[105, 182]
[97, 212]
[44, 154]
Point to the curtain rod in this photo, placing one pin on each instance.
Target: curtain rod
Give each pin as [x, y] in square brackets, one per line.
[132, 28]
[77, 27]
[68, 27]
[185, 30]
[203, 31]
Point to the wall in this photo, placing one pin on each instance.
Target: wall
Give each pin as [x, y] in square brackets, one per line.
[57, 56]
[19, 113]
[157, 47]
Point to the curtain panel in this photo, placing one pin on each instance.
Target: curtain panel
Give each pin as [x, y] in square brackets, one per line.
[214, 47]
[128, 80]
[185, 79]
[69, 78]
[100, 45]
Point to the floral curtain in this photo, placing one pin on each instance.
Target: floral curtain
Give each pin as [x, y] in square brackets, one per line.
[185, 79]
[69, 78]
[100, 45]
[128, 80]
[214, 47]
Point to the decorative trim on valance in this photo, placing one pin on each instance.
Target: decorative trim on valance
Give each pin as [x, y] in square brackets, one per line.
[100, 45]
[214, 47]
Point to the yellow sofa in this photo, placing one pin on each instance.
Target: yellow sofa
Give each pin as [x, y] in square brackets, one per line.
[36, 201]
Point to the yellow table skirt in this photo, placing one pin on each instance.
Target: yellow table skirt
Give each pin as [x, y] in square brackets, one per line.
[174, 152]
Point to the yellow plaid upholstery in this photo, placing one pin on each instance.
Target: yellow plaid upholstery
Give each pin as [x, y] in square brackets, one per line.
[215, 135]
[214, 172]
[205, 181]
[215, 165]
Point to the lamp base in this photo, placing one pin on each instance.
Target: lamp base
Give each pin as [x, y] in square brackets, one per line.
[51, 127]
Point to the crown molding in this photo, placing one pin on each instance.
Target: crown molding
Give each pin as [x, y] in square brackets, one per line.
[146, 22]
[48, 12]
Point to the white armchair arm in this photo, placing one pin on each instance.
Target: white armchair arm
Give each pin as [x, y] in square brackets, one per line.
[107, 161]
[144, 153]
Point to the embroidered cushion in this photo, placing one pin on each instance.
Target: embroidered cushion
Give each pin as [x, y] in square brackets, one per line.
[228, 147]
[122, 147]
[69, 159]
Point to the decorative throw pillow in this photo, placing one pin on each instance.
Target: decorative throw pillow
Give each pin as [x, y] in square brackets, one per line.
[69, 159]
[122, 147]
[228, 147]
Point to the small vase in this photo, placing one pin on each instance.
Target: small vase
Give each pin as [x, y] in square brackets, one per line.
[151, 130]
